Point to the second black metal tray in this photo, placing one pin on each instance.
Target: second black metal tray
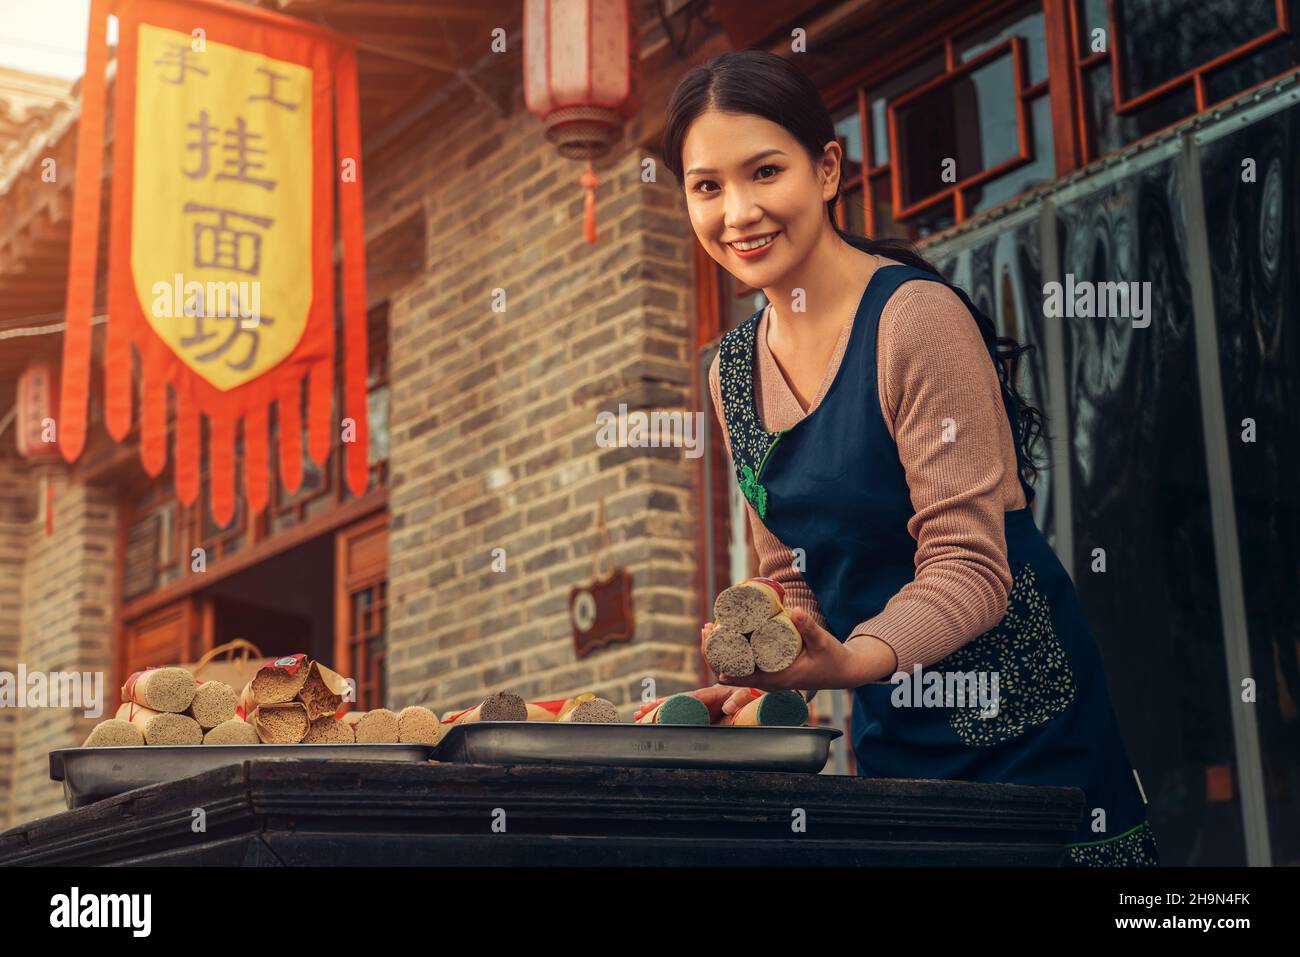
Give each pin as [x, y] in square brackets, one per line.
[639, 745]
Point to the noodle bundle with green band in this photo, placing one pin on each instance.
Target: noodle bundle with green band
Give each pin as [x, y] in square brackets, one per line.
[677, 709]
[771, 709]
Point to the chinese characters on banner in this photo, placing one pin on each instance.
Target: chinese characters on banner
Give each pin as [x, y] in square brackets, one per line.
[221, 242]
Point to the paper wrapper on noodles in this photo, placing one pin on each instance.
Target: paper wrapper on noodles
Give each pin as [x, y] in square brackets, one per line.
[284, 722]
[161, 689]
[330, 730]
[276, 683]
[161, 727]
[323, 691]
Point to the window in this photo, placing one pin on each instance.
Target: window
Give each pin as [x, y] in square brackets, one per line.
[153, 543]
[1001, 90]
[1146, 64]
[964, 126]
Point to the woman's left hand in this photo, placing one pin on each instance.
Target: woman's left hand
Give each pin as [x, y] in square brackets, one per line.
[823, 663]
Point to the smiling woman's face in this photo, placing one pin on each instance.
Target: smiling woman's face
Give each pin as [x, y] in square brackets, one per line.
[747, 178]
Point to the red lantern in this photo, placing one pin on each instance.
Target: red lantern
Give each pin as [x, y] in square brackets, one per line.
[581, 79]
[38, 391]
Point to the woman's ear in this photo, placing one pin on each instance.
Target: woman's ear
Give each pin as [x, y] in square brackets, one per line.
[829, 169]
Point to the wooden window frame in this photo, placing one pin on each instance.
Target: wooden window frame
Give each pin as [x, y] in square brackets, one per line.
[1195, 77]
[1024, 152]
[1065, 87]
[944, 38]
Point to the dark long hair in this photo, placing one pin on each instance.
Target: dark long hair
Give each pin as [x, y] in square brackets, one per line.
[763, 84]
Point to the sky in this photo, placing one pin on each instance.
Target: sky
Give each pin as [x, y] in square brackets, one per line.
[46, 36]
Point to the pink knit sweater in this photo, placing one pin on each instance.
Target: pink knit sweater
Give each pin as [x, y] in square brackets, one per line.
[932, 366]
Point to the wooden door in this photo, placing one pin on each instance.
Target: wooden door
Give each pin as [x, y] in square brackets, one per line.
[361, 607]
[171, 635]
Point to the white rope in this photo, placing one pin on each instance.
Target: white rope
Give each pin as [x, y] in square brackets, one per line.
[46, 330]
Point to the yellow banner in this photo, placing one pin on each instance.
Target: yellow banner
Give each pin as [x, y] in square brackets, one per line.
[222, 206]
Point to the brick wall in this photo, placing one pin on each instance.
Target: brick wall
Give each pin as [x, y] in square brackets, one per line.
[66, 625]
[494, 415]
[17, 509]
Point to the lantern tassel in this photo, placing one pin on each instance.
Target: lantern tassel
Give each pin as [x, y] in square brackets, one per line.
[589, 181]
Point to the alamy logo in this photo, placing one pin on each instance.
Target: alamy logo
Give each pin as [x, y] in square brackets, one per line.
[102, 910]
[212, 300]
[641, 429]
[1082, 299]
[54, 689]
[946, 689]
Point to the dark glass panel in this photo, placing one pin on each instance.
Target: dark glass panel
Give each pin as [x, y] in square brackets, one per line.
[1255, 270]
[1139, 491]
[1264, 64]
[1162, 39]
[1108, 131]
[1003, 277]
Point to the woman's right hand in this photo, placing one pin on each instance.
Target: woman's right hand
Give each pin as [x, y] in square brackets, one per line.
[721, 700]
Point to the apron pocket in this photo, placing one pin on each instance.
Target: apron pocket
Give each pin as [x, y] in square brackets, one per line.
[1034, 681]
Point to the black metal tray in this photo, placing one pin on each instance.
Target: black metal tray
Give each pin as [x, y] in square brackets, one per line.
[638, 745]
[92, 774]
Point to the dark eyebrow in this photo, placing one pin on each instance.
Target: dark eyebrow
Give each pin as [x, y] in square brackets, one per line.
[749, 162]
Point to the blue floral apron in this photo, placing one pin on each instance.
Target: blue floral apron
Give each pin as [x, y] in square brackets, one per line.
[833, 485]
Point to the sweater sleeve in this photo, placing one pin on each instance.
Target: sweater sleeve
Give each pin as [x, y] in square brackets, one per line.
[775, 560]
[942, 404]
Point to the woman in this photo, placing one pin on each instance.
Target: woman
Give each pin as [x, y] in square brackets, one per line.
[875, 427]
